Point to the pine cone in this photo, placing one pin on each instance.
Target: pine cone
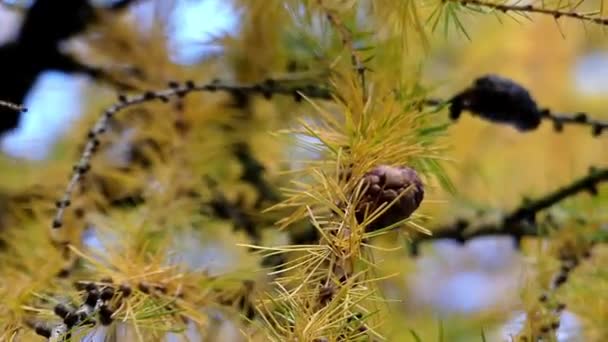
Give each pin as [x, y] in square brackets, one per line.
[382, 185]
[500, 100]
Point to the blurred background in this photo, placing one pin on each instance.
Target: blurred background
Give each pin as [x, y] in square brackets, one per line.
[565, 66]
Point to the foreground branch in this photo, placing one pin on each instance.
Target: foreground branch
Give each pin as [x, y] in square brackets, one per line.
[519, 222]
[555, 13]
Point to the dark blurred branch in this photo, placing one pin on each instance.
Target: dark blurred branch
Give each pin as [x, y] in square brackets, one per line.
[505, 7]
[253, 173]
[15, 107]
[581, 118]
[267, 89]
[519, 222]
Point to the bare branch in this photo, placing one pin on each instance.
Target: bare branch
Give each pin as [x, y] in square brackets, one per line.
[267, 89]
[519, 222]
[15, 107]
[555, 13]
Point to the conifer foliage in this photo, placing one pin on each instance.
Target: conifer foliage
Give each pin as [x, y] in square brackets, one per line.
[286, 186]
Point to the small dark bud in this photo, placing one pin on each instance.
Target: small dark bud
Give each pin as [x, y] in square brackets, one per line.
[82, 169]
[125, 289]
[173, 85]
[43, 331]
[95, 143]
[122, 98]
[270, 83]
[560, 307]
[580, 117]
[143, 287]
[71, 319]
[461, 225]
[62, 310]
[92, 297]
[292, 66]
[558, 126]
[89, 287]
[545, 329]
[190, 85]
[597, 130]
[105, 315]
[384, 184]
[107, 294]
[62, 204]
[240, 98]
[160, 288]
[543, 298]
[560, 279]
[63, 273]
[587, 254]
[149, 95]
[555, 325]
[56, 224]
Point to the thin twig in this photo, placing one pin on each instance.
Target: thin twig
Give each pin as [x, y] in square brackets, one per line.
[15, 107]
[347, 41]
[555, 13]
[267, 89]
[519, 222]
[581, 119]
[570, 258]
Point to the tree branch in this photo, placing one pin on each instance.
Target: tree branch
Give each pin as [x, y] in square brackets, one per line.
[15, 107]
[267, 89]
[519, 222]
[555, 13]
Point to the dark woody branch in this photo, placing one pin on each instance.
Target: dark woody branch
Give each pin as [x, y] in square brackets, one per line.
[519, 222]
[557, 13]
[10, 105]
[267, 89]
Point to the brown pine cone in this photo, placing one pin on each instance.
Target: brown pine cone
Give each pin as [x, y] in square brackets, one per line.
[382, 185]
